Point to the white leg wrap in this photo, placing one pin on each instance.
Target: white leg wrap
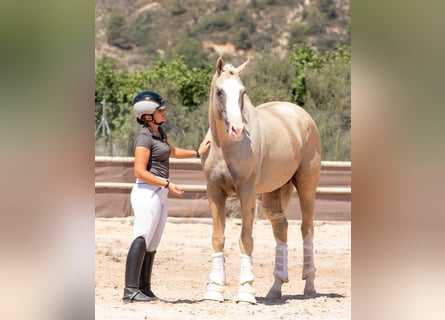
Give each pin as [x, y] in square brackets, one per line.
[215, 289]
[281, 270]
[218, 274]
[245, 291]
[246, 269]
[308, 261]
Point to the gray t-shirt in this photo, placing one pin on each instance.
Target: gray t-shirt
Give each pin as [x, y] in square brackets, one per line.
[160, 151]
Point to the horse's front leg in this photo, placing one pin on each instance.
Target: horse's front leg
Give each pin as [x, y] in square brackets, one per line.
[246, 293]
[215, 288]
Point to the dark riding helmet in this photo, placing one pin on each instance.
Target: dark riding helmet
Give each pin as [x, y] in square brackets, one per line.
[147, 102]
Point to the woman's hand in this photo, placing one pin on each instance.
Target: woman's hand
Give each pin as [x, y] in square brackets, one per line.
[175, 189]
[204, 146]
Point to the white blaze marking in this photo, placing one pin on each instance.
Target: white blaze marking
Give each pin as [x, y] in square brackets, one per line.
[232, 89]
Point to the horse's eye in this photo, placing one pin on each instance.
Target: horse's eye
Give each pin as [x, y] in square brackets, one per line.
[219, 93]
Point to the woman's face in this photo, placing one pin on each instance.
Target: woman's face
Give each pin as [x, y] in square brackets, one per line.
[158, 116]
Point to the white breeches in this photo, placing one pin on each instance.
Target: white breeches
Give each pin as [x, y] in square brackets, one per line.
[150, 207]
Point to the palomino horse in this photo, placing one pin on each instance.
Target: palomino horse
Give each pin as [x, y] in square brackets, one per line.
[263, 150]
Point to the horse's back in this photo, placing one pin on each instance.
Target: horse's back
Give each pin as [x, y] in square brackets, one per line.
[288, 134]
[287, 122]
[283, 110]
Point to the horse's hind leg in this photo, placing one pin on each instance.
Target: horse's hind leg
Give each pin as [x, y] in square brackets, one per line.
[306, 181]
[274, 204]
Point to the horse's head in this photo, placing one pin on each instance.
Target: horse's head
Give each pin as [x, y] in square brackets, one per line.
[228, 97]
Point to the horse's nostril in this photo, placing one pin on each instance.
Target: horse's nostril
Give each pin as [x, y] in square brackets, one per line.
[237, 130]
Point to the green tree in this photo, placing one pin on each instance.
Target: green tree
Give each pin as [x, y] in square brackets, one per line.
[304, 58]
[320, 81]
[329, 86]
[324, 85]
[185, 89]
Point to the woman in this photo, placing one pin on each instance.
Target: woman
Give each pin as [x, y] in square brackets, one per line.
[149, 195]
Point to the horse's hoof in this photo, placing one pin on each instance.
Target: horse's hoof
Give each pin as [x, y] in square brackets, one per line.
[310, 293]
[245, 297]
[214, 292]
[309, 287]
[214, 296]
[246, 294]
[273, 294]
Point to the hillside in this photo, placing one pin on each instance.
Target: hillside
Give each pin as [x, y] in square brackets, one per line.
[138, 32]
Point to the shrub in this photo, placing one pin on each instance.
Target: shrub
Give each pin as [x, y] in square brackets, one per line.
[141, 31]
[297, 34]
[191, 49]
[215, 23]
[270, 78]
[241, 39]
[177, 9]
[117, 33]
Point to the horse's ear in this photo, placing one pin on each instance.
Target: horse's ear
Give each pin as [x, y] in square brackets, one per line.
[219, 65]
[243, 67]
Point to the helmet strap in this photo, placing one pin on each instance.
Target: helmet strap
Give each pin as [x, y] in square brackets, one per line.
[153, 121]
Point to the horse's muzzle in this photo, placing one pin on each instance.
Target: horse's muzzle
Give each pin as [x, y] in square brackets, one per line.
[236, 132]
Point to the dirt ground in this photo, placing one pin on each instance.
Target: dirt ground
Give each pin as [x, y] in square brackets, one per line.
[183, 263]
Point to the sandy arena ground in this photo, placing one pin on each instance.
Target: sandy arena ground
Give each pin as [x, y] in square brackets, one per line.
[183, 264]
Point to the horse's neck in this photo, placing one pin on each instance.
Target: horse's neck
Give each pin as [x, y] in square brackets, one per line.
[249, 110]
[249, 114]
[218, 129]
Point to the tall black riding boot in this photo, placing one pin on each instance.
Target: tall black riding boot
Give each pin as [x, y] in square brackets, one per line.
[133, 267]
[145, 279]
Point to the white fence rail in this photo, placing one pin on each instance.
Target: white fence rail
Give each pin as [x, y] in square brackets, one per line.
[346, 165]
